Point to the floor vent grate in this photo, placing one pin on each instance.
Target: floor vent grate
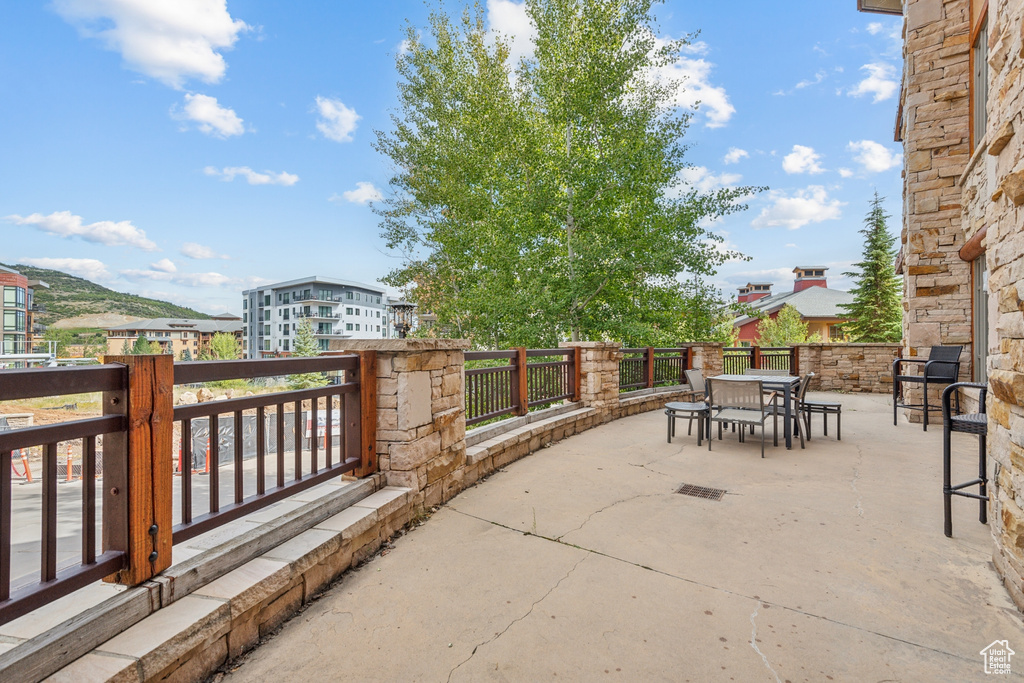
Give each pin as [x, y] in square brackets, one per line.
[701, 492]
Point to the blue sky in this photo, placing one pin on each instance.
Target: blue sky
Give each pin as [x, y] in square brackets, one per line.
[189, 149]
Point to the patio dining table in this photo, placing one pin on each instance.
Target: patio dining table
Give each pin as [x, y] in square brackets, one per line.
[775, 383]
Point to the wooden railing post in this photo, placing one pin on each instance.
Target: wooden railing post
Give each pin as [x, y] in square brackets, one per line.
[138, 468]
[794, 361]
[689, 358]
[649, 365]
[755, 357]
[367, 412]
[522, 396]
[577, 361]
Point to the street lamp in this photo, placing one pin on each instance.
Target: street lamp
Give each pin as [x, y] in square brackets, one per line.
[401, 312]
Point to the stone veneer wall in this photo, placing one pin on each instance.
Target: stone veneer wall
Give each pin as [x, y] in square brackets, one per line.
[994, 201]
[848, 367]
[936, 143]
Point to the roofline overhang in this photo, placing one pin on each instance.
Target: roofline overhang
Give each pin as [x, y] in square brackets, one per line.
[880, 6]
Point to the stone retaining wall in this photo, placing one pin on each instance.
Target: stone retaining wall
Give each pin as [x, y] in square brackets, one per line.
[848, 367]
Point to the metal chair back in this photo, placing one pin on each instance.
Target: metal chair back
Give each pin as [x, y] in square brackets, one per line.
[943, 363]
[737, 394]
[696, 381]
[766, 373]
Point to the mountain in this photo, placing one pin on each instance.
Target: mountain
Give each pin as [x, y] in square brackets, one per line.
[70, 297]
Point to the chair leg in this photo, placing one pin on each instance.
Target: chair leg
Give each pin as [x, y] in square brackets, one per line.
[839, 424]
[762, 438]
[669, 427]
[775, 429]
[926, 403]
[895, 388]
[824, 422]
[689, 425]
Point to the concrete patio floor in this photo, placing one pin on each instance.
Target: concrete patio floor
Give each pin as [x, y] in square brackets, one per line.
[580, 563]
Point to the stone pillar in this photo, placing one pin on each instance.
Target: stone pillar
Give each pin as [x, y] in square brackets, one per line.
[936, 150]
[421, 421]
[599, 375]
[708, 358]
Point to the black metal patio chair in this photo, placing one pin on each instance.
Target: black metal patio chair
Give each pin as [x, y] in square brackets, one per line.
[695, 409]
[972, 423]
[941, 367]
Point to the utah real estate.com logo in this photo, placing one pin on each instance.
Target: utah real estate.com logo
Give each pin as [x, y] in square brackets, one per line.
[997, 657]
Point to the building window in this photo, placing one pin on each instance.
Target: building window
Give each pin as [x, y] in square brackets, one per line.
[348, 310]
[286, 330]
[284, 314]
[348, 326]
[348, 295]
[286, 295]
[245, 304]
[357, 327]
[357, 296]
[979, 304]
[357, 311]
[378, 328]
[245, 317]
[325, 345]
[285, 344]
[378, 312]
[979, 82]
[378, 299]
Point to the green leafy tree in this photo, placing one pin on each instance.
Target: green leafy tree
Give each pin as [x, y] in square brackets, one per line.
[876, 313]
[185, 355]
[546, 204]
[142, 347]
[62, 339]
[306, 346]
[785, 329]
[224, 346]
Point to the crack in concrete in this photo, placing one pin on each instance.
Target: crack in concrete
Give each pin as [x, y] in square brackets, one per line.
[721, 589]
[856, 477]
[753, 641]
[517, 619]
[606, 507]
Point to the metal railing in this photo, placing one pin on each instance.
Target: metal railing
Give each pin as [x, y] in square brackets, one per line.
[496, 389]
[649, 367]
[20, 595]
[738, 359]
[325, 422]
[332, 432]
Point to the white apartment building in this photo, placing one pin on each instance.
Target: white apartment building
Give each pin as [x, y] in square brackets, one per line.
[338, 309]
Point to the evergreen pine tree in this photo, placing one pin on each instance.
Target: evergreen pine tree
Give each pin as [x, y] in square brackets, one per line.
[876, 314]
[126, 349]
[142, 347]
[186, 355]
[306, 346]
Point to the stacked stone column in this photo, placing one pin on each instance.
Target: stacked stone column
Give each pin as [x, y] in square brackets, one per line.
[421, 421]
[599, 375]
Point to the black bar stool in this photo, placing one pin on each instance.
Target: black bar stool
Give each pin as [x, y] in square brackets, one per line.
[972, 423]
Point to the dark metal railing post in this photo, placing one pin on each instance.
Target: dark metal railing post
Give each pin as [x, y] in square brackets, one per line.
[577, 377]
[520, 390]
[137, 468]
[368, 410]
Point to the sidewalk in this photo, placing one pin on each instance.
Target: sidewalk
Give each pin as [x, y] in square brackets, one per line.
[580, 563]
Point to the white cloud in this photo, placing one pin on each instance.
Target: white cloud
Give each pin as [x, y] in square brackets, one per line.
[363, 194]
[509, 19]
[164, 265]
[693, 77]
[337, 122]
[735, 154]
[874, 157]
[879, 82]
[806, 83]
[845, 173]
[810, 205]
[211, 118]
[254, 178]
[875, 27]
[66, 224]
[791, 246]
[802, 160]
[186, 279]
[89, 268]
[170, 41]
[198, 251]
[702, 180]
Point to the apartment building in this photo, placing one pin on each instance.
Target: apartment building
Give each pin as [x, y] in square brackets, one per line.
[173, 335]
[337, 309]
[819, 307]
[20, 331]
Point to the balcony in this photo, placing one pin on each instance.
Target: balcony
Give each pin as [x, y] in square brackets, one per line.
[318, 316]
[316, 297]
